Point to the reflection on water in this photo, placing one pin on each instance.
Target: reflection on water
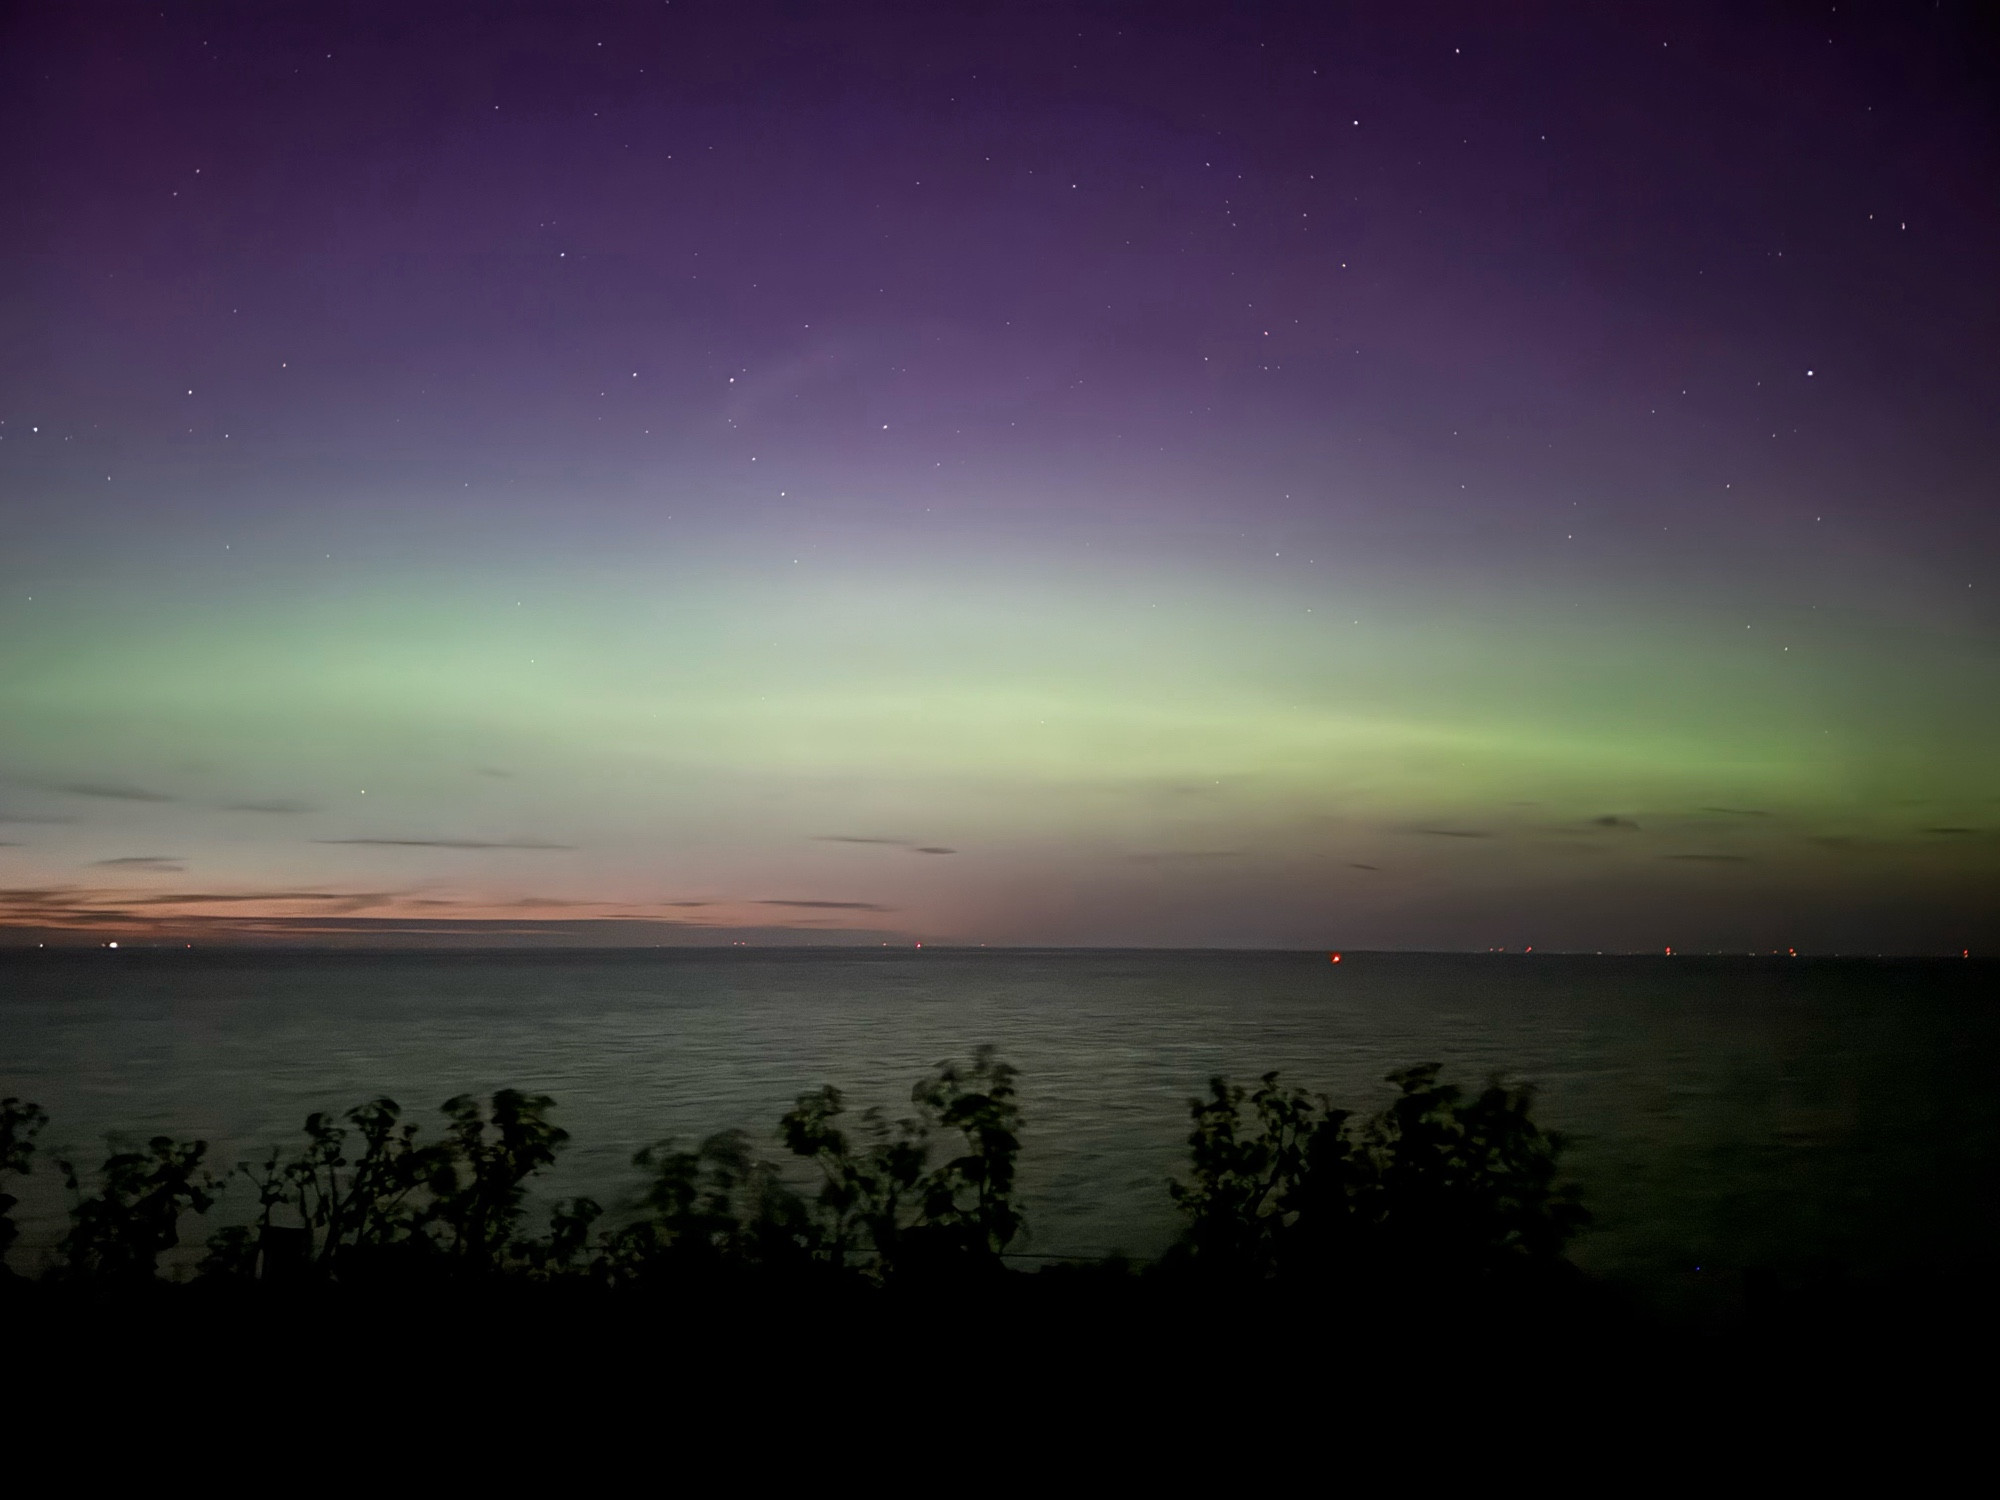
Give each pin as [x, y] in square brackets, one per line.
[1725, 1112]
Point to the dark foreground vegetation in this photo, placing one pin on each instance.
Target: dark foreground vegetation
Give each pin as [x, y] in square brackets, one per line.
[1281, 1187]
[1436, 1223]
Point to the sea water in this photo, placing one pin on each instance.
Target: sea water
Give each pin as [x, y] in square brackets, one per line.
[1722, 1113]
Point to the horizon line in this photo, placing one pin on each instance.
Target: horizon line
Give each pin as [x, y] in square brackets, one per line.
[252, 945]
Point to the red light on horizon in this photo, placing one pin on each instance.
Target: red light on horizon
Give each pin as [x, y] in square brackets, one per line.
[1333, 958]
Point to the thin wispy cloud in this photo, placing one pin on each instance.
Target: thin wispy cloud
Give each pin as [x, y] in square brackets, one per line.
[269, 807]
[348, 900]
[886, 843]
[169, 862]
[448, 843]
[827, 905]
[47, 905]
[111, 791]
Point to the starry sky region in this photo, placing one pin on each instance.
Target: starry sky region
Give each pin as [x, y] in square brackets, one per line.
[1402, 477]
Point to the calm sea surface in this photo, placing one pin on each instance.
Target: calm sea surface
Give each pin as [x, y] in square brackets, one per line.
[1725, 1113]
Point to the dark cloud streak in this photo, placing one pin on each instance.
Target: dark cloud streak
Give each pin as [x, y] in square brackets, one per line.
[447, 843]
[827, 905]
[111, 791]
[886, 843]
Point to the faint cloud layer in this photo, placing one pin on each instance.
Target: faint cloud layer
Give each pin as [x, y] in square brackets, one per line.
[109, 907]
[344, 900]
[226, 915]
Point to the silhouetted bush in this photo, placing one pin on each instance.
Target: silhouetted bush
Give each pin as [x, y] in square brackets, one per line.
[118, 1234]
[19, 1125]
[368, 1199]
[884, 1211]
[883, 1204]
[1437, 1187]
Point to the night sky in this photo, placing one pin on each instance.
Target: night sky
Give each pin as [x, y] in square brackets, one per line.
[1417, 477]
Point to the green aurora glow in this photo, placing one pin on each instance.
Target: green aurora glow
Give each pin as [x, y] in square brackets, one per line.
[1241, 765]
